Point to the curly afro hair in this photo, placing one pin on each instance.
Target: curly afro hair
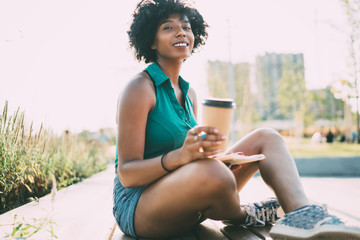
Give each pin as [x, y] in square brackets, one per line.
[146, 20]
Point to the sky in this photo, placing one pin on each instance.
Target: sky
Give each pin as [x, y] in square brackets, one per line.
[65, 62]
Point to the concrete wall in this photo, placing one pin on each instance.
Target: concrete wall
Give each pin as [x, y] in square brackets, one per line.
[329, 166]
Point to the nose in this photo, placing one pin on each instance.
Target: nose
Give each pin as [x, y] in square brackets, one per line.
[180, 33]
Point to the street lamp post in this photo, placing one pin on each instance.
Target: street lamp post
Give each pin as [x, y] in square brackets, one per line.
[231, 85]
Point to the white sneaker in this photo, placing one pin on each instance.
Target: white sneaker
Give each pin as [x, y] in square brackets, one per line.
[312, 222]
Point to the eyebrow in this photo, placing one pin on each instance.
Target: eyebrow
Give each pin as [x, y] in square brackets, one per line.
[168, 20]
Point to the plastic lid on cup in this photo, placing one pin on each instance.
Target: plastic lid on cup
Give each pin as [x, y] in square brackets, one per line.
[219, 102]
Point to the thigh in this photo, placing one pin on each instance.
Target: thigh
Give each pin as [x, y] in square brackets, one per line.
[250, 144]
[173, 204]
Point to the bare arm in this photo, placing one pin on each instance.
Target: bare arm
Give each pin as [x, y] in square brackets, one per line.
[134, 105]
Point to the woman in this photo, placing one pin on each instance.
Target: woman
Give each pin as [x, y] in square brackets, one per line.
[164, 185]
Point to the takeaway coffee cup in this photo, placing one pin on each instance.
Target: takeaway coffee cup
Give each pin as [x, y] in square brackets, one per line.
[218, 112]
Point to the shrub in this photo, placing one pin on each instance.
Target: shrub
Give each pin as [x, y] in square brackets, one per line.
[30, 162]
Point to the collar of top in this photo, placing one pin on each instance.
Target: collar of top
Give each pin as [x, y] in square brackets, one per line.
[159, 77]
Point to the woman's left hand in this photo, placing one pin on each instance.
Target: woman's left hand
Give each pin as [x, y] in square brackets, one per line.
[201, 142]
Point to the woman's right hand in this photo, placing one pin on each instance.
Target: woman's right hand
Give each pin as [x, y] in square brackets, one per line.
[201, 142]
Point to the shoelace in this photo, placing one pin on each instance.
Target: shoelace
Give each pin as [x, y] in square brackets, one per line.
[259, 216]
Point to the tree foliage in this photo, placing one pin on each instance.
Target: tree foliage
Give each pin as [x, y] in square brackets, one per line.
[278, 92]
[352, 8]
[321, 104]
[218, 83]
[292, 91]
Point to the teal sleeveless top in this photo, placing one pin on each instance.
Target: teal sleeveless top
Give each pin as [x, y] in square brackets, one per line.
[168, 122]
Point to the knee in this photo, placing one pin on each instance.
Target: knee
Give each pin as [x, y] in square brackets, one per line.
[213, 177]
[268, 134]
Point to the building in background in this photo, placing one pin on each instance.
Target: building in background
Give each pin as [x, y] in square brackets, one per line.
[219, 77]
[272, 93]
[269, 70]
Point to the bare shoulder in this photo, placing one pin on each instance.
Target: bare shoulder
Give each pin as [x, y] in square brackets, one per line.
[140, 84]
[138, 92]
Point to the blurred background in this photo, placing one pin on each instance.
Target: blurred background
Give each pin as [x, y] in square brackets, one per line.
[291, 65]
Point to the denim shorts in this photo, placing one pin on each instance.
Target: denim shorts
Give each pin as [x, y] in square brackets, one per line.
[125, 201]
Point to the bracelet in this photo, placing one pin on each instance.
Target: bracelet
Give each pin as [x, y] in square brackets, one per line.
[162, 163]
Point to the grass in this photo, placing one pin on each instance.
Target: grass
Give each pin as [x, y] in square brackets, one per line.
[32, 163]
[336, 149]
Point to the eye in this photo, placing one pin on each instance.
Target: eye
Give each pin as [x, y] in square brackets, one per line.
[167, 28]
[187, 27]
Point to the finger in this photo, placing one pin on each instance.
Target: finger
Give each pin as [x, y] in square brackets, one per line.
[212, 137]
[192, 131]
[205, 144]
[202, 135]
[206, 129]
[207, 154]
[209, 130]
[190, 139]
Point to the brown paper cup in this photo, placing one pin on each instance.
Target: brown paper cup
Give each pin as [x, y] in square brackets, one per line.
[218, 112]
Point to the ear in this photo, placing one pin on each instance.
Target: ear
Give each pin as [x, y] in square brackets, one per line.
[153, 47]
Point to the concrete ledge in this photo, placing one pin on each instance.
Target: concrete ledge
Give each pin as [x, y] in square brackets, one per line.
[329, 166]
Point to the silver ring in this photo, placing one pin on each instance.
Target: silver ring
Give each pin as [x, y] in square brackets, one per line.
[196, 137]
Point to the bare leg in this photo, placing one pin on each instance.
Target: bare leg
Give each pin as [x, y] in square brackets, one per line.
[278, 170]
[173, 204]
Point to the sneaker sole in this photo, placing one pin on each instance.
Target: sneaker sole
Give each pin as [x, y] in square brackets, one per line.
[326, 232]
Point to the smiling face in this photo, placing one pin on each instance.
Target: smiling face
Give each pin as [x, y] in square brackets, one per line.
[174, 39]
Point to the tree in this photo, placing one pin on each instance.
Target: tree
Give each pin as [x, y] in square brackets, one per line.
[291, 96]
[269, 76]
[352, 9]
[218, 79]
[321, 104]
[292, 89]
[218, 83]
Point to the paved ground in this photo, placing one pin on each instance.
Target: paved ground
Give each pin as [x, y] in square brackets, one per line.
[84, 210]
[341, 195]
[81, 211]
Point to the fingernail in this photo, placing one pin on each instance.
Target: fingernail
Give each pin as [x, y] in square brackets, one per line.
[216, 131]
[223, 137]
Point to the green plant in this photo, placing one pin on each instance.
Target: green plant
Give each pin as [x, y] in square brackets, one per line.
[31, 161]
[22, 228]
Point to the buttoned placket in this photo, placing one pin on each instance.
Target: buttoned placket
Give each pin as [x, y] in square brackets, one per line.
[180, 111]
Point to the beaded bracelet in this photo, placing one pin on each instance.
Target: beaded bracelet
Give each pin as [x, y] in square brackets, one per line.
[162, 163]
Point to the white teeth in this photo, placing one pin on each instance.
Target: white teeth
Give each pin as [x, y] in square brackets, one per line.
[180, 44]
